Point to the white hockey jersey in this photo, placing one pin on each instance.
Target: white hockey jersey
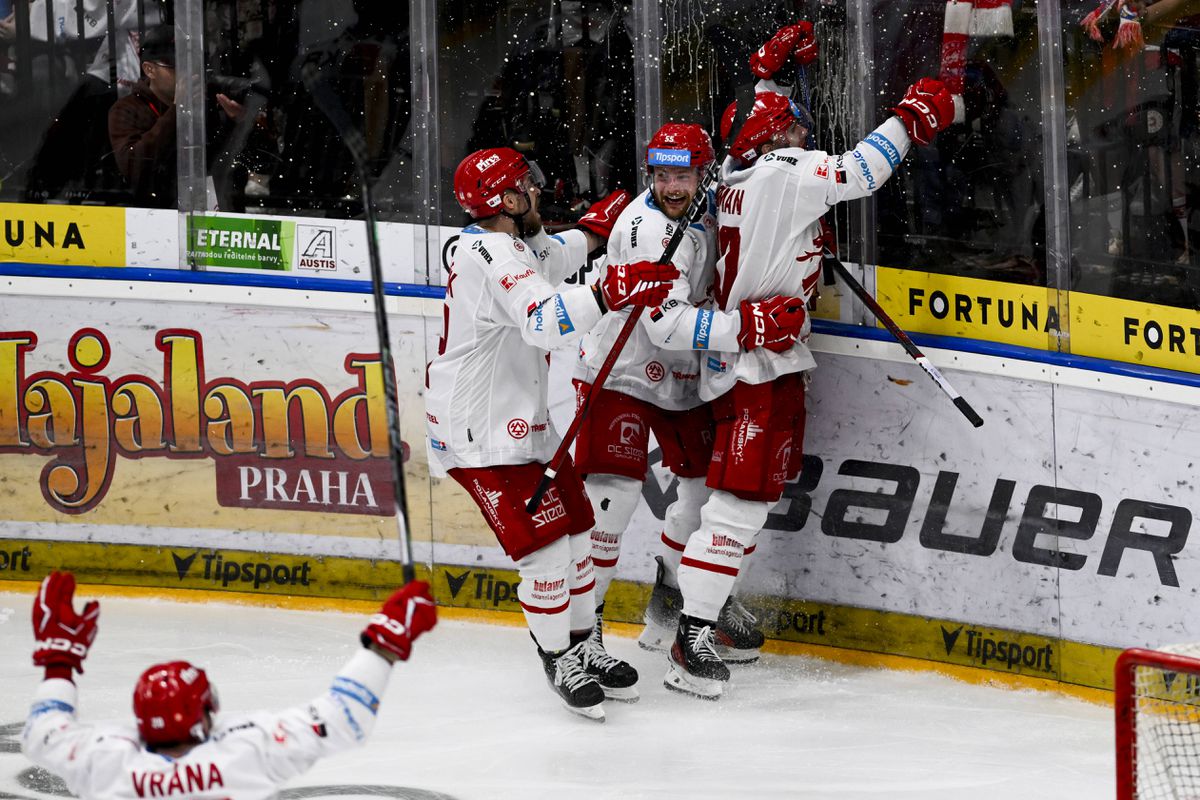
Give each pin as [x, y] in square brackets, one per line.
[660, 363]
[245, 758]
[768, 222]
[486, 398]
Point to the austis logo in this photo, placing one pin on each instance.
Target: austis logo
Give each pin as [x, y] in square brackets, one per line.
[84, 419]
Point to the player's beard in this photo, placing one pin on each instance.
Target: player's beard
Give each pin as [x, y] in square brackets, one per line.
[676, 210]
[532, 221]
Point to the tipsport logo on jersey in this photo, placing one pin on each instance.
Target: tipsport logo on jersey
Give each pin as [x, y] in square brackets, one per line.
[288, 445]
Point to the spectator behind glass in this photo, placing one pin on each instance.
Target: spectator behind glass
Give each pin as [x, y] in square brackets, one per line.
[141, 125]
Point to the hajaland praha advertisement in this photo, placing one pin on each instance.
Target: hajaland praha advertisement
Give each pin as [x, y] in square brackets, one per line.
[247, 419]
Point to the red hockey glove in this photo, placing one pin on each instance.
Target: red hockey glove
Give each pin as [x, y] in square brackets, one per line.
[62, 637]
[926, 110]
[642, 283]
[408, 613]
[774, 323]
[602, 214]
[794, 40]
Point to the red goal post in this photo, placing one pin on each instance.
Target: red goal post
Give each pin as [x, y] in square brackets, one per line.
[1157, 704]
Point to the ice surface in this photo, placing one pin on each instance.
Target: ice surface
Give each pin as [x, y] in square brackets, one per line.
[470, 716]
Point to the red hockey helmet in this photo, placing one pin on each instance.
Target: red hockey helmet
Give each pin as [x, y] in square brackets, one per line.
[483, 177]
[679, 144]
[170, 702]
[771, 115]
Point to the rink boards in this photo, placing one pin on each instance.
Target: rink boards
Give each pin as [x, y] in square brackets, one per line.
[211, 437]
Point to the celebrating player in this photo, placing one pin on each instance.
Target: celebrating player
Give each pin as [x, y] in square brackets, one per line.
[654, 382]
[180, 748]
[487, 407]
[772, 196]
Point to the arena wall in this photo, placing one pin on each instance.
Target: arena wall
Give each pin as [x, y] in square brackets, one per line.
[224, 430]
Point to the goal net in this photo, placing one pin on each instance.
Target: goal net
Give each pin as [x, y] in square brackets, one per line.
[1157, 698]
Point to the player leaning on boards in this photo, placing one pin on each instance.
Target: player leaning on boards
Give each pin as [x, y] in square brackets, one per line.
[736, 636]
[179, 749]
[772, 196]
[487, 410]
[654, 384]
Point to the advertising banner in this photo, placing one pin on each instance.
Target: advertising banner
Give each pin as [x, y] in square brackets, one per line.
[246, 422]
[70, 235]
[1111, 328]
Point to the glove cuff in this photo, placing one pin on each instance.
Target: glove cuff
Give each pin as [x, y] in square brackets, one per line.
[60, 671]
[598, 293]
[911, 122]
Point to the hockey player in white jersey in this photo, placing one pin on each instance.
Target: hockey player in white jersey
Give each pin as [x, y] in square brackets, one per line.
[180, 747]
[487, 410]
[772, 196]
[654, 383]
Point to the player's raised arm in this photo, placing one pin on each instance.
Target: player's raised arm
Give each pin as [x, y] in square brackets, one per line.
[565, 253]
[926, 109]
[344, 715]
[179, 747]
[53, 738]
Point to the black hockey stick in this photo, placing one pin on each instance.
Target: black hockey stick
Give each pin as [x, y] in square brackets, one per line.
[331, 106]
[922, 360]
[833, 265]
[695, 214]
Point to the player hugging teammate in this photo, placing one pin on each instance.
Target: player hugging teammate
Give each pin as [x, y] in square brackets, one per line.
[716, 370]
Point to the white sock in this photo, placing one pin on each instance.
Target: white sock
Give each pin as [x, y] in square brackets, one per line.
[714, 553]
[614, 499]
[545, 594]
[682, 520]
[582, 582]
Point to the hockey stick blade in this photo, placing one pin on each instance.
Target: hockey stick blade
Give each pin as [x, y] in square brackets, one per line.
[922, 360]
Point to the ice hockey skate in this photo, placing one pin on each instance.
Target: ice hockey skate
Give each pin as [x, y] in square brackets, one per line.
[617, 678]
[662, 614]
[580, 693]
[695, 667]
[738, 639]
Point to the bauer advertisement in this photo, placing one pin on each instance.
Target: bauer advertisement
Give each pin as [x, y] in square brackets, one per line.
[191, 423]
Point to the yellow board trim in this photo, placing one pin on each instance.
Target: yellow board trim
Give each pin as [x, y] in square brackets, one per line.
[775, 646]
[860, 636]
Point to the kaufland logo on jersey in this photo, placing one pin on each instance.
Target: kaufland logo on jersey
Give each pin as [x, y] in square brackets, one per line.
[490, 161]
[660, 157]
